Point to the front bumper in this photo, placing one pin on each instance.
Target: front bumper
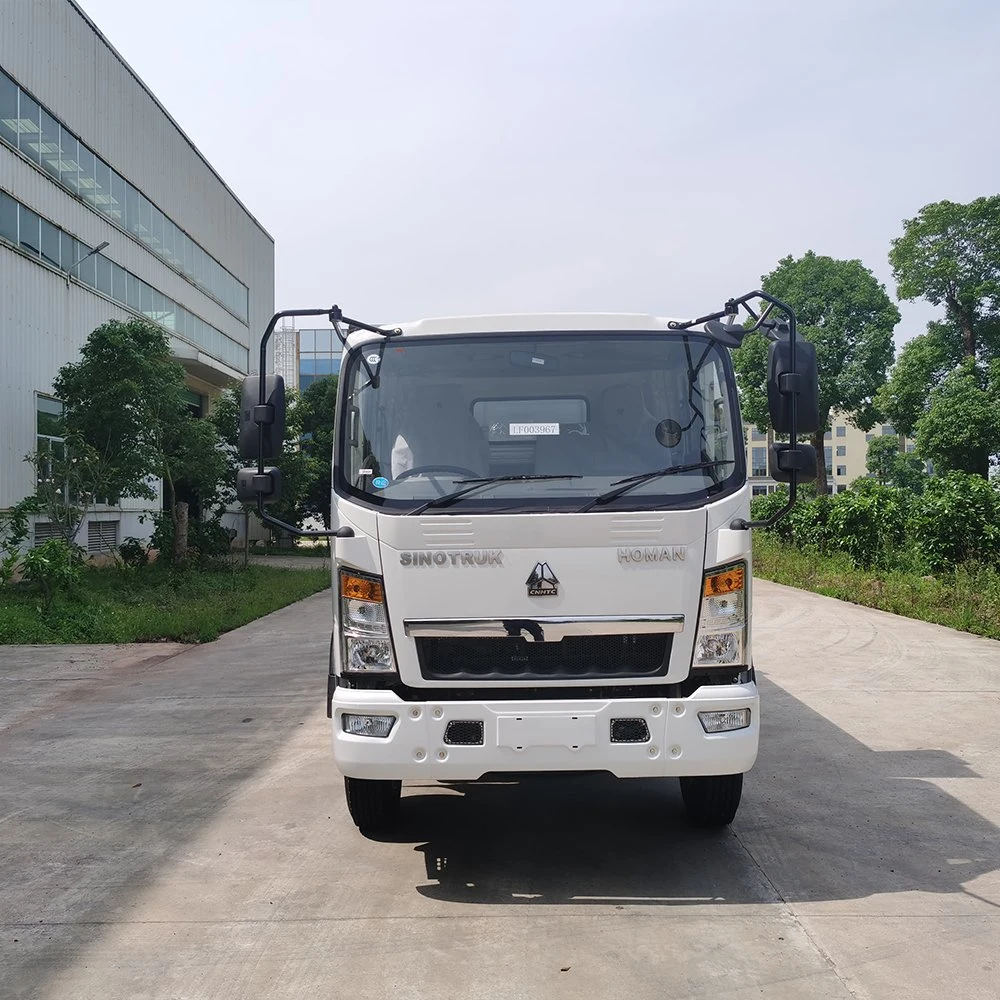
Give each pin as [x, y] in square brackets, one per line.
[563, 735]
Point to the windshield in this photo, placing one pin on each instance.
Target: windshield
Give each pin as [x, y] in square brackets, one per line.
[557, 419]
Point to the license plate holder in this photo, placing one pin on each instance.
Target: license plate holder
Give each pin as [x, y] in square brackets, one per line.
[573, 731]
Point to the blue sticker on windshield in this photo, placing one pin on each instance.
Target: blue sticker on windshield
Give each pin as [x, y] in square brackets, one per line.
[380, 482]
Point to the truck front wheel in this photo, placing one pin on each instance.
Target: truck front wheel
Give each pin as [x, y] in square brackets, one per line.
[373, 805]
[712, 800]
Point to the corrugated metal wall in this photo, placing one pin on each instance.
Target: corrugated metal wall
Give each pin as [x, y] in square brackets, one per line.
[52, 50]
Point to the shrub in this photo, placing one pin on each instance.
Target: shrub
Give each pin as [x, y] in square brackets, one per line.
[133, 553]
[14, 532]
[808, 522]
[957, 519]
[210, 538]
[206, 539]
[53, 566]
[868, 522]
[766, 505]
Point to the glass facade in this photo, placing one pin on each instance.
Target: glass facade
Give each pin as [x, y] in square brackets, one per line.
[319, 356]
[31, 129]
[46, 242]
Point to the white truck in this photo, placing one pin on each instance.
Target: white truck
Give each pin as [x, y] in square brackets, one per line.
[541, 546]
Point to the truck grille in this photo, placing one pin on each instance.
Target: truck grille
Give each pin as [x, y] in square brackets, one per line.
[515, 658]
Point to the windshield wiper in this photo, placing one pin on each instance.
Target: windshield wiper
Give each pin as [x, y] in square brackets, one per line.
[447, 498]
[624, 485]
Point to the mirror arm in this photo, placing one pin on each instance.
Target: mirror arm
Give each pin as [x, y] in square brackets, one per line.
[345, 531]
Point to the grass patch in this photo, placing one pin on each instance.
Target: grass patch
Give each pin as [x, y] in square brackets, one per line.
[967, 599]
[303, 551]
[155, 603]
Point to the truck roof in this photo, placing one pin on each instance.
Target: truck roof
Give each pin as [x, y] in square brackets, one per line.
[520, 322]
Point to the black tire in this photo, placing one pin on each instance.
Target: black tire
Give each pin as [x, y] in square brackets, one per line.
[373, 805]
[712, 800]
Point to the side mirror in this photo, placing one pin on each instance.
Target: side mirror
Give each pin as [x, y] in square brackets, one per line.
[250, 484]
[783, 383]
[270, 417]
[784, 460]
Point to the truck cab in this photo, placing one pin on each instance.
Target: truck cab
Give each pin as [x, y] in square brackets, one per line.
[541, 560]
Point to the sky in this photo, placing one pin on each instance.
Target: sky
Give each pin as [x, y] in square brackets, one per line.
[446, 157]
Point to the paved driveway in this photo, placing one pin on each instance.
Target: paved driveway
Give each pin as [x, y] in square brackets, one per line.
[174, 828]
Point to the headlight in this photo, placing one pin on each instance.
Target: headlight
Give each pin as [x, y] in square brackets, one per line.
[365, 624]
[722, 624]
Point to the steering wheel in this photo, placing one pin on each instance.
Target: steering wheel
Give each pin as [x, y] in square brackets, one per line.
[418, 469]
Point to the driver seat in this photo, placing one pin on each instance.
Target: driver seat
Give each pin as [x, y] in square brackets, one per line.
[438, 429]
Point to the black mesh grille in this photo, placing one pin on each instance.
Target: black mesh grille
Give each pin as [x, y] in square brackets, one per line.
[629, 731]
[464, 734]
[585, 656]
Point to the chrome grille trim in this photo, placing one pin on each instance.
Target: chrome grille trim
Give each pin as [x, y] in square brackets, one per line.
[550, 629]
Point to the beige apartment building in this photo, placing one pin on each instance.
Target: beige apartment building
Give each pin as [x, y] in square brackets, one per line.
[846, 454]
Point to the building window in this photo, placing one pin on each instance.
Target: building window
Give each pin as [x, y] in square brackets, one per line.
[44, 241]
[868, 437]
[8, 217]
[50, 445]
[888, 429]
[758, 464]
[910, 448]
[841, 451]
[841, 470]
[29, 231]
[841, 431]
[194, 402]
[40, 136]
[756, 435]
[841, 488]
[8, 110]
[828, 436]
[319, 355]
[759, 490]
[829, 460]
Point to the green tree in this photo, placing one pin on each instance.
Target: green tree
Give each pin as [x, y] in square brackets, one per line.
[961, 428]
[117, 400]
[922, 364]
[127, 423]
[846, 314]
[890, 466]
[950, 255]
[318, 405]
[881, 457]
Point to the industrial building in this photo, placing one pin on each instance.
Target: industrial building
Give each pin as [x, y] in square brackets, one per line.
[846, 449]
[303, 356]
[108, 211]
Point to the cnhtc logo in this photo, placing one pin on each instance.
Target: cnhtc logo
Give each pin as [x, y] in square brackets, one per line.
[542, 582]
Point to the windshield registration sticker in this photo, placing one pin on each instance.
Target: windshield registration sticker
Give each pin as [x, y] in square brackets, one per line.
[533, 429]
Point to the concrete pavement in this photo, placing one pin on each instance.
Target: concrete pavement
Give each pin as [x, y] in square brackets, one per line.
[176, 829]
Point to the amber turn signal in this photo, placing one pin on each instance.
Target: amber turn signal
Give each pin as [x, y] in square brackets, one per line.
[726, 581]
[360, 588]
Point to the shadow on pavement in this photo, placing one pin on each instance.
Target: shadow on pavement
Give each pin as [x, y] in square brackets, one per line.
[823, 815]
